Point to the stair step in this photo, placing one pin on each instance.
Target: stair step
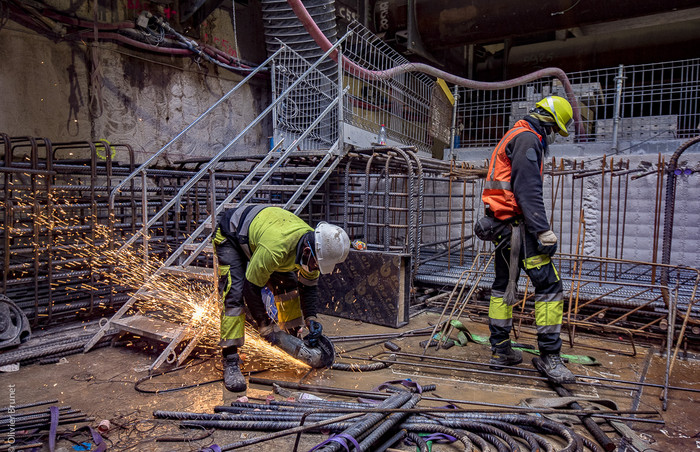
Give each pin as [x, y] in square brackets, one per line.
[232, 205]
[154, 293]
[299, 169]
[141, 325]
[267, 187]
[307, 153]
[190, 271]
[193, 246]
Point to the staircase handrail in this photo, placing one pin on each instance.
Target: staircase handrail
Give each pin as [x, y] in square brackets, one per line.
[151, 159]
[290, 149]
[221, 153]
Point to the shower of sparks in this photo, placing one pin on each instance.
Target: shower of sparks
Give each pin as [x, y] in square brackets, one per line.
[76, 243]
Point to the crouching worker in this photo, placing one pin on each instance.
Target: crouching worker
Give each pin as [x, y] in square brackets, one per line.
[258, 246]
[516, 222]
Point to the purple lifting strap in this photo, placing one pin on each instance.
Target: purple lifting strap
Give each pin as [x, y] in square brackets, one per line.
[341, 438]
[433, 437]
[98, 440]
[54, 426]
[96, 437]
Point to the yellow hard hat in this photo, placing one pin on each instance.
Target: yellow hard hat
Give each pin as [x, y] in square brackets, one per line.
[561, 111]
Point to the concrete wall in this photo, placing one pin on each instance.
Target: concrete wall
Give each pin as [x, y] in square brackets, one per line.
[53, 90]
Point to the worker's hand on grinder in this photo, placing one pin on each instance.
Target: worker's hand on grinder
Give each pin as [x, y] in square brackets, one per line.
[315, 331]
[547, 242]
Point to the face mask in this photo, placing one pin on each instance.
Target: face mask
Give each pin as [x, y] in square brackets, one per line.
[305, 260]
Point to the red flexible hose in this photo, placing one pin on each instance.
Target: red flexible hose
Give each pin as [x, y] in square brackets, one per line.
[358, 71]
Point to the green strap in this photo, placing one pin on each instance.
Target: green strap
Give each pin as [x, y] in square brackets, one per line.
[464, 337]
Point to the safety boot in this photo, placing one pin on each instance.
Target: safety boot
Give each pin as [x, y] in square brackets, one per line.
[234, 380]
[504, 355]
[555, 370]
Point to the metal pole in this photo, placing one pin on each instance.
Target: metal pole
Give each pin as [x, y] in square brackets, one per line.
[275, 119]
[669, 343]
[341, 104]
[454, 121]
[144, 214]
[618, 100]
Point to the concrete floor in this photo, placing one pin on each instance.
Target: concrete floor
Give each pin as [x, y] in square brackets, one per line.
[101, 384]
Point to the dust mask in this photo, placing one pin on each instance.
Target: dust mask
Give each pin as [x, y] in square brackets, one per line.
[551, 136]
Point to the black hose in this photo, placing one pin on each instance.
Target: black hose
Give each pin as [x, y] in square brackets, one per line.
[359, 367]
[138, 383]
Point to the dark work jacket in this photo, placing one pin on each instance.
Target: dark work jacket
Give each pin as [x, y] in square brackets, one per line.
[526, 152]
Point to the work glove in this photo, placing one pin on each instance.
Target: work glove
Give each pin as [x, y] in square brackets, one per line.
[270, 332]
[315, 331]
[547, 242]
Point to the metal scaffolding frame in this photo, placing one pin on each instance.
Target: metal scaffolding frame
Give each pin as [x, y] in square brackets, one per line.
[637, 102]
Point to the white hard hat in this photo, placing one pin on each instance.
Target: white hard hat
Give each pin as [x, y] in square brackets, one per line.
[332, 246]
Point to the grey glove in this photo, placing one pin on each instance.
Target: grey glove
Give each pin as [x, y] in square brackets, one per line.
[547, 242]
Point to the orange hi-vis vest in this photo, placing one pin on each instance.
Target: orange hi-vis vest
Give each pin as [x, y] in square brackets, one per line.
[498, 194]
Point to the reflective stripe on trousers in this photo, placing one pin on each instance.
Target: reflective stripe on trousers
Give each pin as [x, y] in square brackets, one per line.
[231, 271]
[549, 297]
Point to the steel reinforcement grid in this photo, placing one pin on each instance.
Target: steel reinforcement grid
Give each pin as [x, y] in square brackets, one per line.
[57, 221]
[55, 211]
[397, 202]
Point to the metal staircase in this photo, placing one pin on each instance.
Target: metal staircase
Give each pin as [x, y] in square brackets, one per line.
[266, 182]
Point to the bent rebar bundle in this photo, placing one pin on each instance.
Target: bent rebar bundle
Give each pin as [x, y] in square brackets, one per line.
[378, 426]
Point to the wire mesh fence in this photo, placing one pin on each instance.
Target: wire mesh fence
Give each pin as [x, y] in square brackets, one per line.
[659, 100]
[304, 103]
[402, 103]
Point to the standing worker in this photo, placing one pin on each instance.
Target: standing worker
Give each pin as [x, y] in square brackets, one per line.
[514, 205]
[258, 246]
